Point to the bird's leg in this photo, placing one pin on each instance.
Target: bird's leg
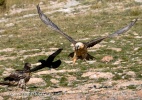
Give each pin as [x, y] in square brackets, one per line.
[85, 60]
[74, 60]
[22, 84]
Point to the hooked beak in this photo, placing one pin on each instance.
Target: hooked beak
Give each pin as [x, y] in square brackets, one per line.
[76, 47]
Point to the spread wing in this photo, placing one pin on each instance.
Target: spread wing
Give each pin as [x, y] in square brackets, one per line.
[52, 56]
[48, 22]
[118, 32]
[49, 62]
[37, 68]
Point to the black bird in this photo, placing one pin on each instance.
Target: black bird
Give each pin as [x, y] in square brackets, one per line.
[19, 77]
[49, 62]
[80, 48]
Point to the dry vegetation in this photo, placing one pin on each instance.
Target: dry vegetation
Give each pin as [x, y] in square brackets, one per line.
[116, 73]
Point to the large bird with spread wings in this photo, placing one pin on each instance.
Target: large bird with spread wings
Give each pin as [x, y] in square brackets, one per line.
[80, 48]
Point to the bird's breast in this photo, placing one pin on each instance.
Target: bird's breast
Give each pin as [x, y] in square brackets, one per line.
[81, 52]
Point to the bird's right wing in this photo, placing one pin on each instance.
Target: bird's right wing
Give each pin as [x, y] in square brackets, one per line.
[118, 32]
[124, 29]
[48, 22]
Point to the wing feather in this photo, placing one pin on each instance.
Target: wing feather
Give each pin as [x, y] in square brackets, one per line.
[48, 22]
[52, 56]
[118, 32]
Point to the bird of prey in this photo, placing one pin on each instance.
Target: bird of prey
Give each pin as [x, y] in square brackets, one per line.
[80, 48]
[49, 62]
[19, 77]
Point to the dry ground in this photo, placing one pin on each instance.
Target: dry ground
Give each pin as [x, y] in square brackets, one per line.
[115, 74]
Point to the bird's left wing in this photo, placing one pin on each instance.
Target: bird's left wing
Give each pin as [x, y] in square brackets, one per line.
[52, 56]
[48, 22]
[118, 32]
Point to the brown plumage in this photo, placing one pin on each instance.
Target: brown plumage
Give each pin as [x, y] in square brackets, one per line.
[19, 77]
[80, 48]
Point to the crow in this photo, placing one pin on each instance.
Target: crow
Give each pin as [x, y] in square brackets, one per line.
[49, 62]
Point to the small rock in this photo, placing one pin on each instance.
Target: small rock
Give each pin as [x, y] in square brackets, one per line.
[97, 75]
[117, 62]
[135, 49]
[120, 74]
[91, 62]
[68, 62]
[41, 3]
[88, 74]
[138, 37]
[101, 75]
[37, 81]
[131, 73]
[53, 49]
[54, 81]
[2, 31]
[112, 41]
[116, 49]
[71, 78]
[123, 77]
[107, 59]
[10, 25]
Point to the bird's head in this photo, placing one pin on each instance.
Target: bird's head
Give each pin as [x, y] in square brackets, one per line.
[79, 45]
[27, 66]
